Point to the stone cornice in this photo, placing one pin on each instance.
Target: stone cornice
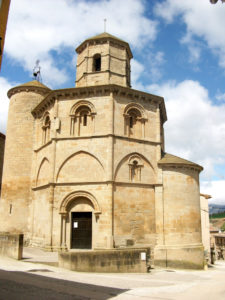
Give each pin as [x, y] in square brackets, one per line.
[23, 88]
[69, 138]
[100, 90]
[181, 166]
[104, 38]
[99, 72]
[124, 183]
[173, 161]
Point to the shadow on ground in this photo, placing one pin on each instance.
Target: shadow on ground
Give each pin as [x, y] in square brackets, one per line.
[25, 285]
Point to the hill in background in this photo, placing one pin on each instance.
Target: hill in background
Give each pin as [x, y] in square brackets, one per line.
[216, 208]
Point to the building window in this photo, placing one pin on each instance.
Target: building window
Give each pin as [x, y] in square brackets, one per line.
[82, 118]
[97, 63]
[135, 166]
[84, 114]
[134, 115]
[85, 119]
[134, 120]
[46, 130]
[134, 126]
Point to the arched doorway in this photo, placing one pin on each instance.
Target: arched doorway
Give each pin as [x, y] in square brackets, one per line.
[81, 230]
[79, 211]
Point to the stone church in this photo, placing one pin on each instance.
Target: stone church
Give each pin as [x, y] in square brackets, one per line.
[86, 167]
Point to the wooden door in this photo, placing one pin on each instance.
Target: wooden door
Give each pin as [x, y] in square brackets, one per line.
[81, 230]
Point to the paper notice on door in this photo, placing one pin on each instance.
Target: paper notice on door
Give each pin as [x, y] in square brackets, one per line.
[75, 224]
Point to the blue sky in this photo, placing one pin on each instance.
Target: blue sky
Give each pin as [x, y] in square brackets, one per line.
[179, 53]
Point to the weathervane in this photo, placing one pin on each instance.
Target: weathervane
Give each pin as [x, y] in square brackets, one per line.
[37, 71]
[105, 20]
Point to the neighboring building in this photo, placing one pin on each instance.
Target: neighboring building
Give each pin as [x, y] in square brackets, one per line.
[205, 223]
[4, 10]
[214, 229]
[2, 147]
[86, 168]
[217, 241]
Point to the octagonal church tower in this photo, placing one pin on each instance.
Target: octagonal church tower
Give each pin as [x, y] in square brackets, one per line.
[100, 177]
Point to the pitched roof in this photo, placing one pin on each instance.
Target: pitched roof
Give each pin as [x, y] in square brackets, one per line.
[31, 84]
[175, 160]
[34, 83]
[106, 35]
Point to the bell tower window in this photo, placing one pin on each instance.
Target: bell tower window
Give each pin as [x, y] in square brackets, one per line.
[97, 63]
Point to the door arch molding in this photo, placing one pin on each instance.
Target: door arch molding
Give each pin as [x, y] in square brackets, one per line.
[75, 195]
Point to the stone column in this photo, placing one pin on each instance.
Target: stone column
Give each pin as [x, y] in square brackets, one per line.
[111, 175]
[63, 232]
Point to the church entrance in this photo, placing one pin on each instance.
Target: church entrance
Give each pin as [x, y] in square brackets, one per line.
[81, 237]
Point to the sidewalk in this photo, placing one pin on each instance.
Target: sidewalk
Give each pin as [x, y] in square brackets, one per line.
[39, 256]
[159, 284]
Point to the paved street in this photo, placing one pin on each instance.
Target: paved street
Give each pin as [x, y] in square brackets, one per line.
[29, 280]
[22, 285]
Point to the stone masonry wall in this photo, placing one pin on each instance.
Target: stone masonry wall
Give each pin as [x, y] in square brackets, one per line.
[2, 148]
[17, 162]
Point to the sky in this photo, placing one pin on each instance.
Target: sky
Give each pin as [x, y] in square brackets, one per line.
[179, 54]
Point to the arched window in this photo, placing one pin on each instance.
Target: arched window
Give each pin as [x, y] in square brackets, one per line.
[84, 114]
[134, 116]
[134, 124]
[46, 129]
[97, 63]
[134, 120]
[82, 118]
[135, 165]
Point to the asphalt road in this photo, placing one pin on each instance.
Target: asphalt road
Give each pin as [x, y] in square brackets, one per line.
[21, 285]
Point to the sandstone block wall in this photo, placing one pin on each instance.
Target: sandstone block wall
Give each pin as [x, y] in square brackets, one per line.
[2, 149]
[114, 65]
[205, 224]
[127, 260]
[90, 161]
[182, 218]
[11, 245]
[17, 162]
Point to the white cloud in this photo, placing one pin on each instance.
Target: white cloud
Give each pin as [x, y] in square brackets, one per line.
[151, 70]
[137, 70]
[220, 97]
[154, 68]
[195, 128]
[193, 47]
[215, 189]
[4, 87]
[202, 20]
[37, 28]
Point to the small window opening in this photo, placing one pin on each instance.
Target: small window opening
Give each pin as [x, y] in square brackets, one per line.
[135, 163]
[97, 63]
[131, 122]
[10, 209]
[85, 120]
[134, 171]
